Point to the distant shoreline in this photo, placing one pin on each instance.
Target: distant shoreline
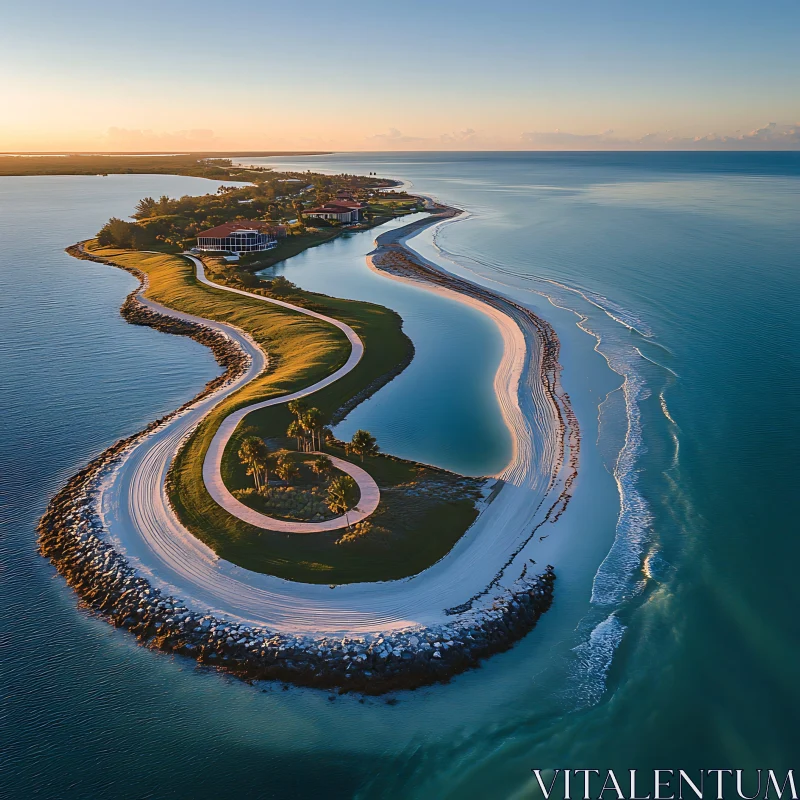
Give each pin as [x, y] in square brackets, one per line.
[200, 164]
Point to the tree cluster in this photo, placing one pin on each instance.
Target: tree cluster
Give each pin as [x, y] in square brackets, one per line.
[274, 197]
[307, 427]
[254, 454]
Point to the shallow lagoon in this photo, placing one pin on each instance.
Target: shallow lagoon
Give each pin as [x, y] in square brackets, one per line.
[442, 409]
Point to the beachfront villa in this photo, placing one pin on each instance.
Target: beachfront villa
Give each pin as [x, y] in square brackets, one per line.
[340, 210]
[240, 236]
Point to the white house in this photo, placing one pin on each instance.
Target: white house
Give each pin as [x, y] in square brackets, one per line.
[340, 210]
[240, 236]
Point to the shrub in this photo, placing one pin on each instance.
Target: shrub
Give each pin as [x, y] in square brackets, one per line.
[361, 530]
[280, 286]
[127, 235]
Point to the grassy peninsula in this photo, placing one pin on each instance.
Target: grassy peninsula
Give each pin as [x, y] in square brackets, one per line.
[423, 510]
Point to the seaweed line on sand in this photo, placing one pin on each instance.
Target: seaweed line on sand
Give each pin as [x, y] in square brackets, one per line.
[395, 258]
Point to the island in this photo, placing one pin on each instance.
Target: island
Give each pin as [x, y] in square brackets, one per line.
[257, 542]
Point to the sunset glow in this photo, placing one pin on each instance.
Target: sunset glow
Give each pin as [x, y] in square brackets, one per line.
[447, 76]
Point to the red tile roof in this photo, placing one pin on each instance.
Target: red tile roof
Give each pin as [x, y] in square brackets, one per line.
[227, 228]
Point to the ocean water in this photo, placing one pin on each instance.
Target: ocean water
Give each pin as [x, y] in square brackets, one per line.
[672, 280]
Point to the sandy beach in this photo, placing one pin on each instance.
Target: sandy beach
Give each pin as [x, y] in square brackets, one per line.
[141, 524]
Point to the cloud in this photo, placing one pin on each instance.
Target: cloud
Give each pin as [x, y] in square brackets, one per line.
[468, 136]
[467, 139]
[559, 138]
[394, 137]
[138, 139]
[770, 137]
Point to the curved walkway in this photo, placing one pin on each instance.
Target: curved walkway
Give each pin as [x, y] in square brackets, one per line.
[370, 497]
[212, 464]
[134, 508]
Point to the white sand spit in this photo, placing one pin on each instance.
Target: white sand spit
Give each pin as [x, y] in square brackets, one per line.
[141, 524]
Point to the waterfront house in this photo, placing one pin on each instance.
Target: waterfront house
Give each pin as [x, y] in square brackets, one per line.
[340, 210]
[240, 236]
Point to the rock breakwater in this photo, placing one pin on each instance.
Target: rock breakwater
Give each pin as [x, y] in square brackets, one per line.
[227, 353]
[71, 535]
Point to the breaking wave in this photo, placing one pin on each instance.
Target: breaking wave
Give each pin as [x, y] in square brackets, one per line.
[612, 582]
[623, 572]
[593, 659]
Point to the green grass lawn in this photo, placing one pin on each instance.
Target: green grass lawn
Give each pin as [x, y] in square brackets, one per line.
[423, 511]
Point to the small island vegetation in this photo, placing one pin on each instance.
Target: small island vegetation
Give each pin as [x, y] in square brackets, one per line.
[301, 487]
[171, 225]
[306, 485]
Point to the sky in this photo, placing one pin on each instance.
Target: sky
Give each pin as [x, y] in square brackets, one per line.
[445, 75]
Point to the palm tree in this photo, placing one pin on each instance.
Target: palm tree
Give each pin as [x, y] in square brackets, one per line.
[313, 422]
[363, 444]
[247, 451]
[286, 469]
[295, 429]
[341, 496]
[308, 433]
[253, 452]
[298, 209]
[321, 465]
[260, 466]
[297, 407]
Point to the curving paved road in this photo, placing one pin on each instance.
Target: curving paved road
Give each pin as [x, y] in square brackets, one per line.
[141, 524]
[212, 464]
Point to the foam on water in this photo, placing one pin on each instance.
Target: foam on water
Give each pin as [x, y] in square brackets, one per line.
[622, 573]
[593, 659]
[619, 314]
[657, 363]
[665, 408]
[613, 579]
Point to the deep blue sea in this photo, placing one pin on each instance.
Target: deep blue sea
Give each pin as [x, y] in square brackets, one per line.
[672, 280]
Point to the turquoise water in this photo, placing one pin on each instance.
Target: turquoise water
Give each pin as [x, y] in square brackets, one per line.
[443, 409]
[673, 639]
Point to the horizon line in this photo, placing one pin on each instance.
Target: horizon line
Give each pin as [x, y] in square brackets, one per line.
[302, 153]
